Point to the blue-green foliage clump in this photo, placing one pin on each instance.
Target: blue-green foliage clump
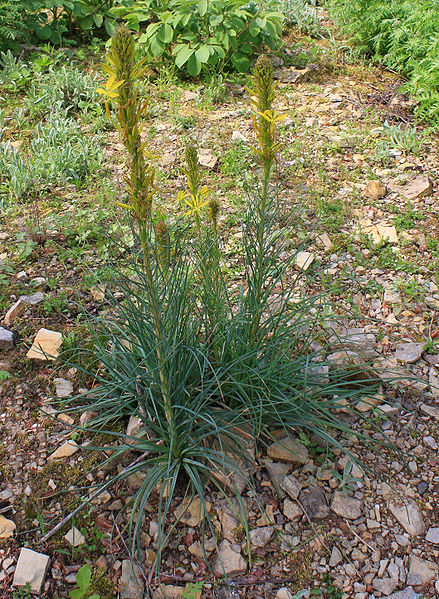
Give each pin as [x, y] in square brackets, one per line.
[402, 35]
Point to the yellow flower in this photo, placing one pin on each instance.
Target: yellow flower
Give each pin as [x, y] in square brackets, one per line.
[109, 91]
[192, 204]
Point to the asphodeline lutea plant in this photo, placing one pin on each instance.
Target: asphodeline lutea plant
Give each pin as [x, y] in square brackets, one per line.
[262, 90]
[125, 71]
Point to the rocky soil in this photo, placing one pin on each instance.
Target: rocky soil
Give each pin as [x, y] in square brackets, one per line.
[366, 216]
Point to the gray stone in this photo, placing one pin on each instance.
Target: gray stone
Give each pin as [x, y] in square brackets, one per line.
[430, 442]
[288, 450]
[410, 517]
[259, 537]
[31, 570]
[34, 299]
[63, 387]
[433, 536]
[131, 582]
[314, 503]
[432, 411]
[277, 471]
[407, 593]
[229, 562]
[421, 572]
[409, 352]
[336, 557]
[292, 486]
[386, 586]
[346, 507]
[6, 339]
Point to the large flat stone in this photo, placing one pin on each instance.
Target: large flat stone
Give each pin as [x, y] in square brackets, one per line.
[288, 450]
[46, 345]
[409, 352]
[31, 570]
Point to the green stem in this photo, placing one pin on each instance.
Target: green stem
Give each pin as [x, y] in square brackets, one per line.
[155, 311]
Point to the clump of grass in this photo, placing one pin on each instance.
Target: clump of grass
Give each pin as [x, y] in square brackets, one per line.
[206, 367]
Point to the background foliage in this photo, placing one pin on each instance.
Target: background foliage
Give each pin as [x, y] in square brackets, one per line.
[402, 35]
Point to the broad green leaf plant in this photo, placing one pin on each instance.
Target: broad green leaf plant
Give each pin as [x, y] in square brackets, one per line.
[205, 35]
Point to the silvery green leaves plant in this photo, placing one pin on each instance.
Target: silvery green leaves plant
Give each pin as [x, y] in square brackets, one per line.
[203, 35]
[207, 371]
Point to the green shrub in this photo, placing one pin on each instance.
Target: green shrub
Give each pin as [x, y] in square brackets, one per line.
[59, 153]
[198, 35]
[208, 368]
[402, 35]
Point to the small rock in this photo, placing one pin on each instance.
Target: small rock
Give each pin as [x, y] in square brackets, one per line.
[336, 557]
[346, 507]
[421, 572]
[259, 537]
[292, 486]
[238, 136]
[6, 339]
[229, 561]
[430, 442]
[63, 387]
[418, 188]
[38, 281]
[31, 570]
[387, 233]
[97, 293]
[14, 312]
[46, 345]
[191, 511]
[34, 299]
[66, 450]
[410, 517]
[314, 503]
[374, 190]
[391, 297]
[407, 593]
[168, 158]
[304, 260]
[277, 472]
[131, 581]
[409, 352]
[74, 537]
[7, 528]
[433, 536]
[432, 411]
[288, 450]
[292, 510]
[284, 593]
[386, 586]
[207, 158]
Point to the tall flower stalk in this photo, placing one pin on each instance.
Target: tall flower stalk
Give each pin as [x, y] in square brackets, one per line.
[265, 119]
[124, 73]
